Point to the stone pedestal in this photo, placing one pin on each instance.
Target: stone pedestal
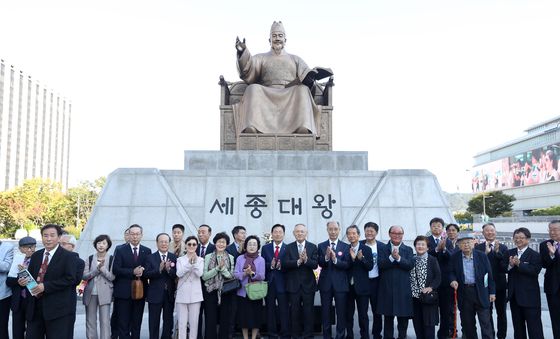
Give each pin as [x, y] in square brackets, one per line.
[258, 189]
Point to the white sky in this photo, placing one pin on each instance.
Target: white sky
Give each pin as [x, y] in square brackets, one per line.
[418, 84]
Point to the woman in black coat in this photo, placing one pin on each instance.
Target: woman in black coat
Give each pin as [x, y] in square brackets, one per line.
[425, 277]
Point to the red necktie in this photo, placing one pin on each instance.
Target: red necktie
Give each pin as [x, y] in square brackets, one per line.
[276, 252]
[135, 253]
[43, 268]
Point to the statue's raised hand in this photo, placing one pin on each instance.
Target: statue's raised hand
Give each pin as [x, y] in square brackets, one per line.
[240, 45]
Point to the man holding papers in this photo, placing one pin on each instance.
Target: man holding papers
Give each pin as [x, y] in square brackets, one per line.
[50, 311]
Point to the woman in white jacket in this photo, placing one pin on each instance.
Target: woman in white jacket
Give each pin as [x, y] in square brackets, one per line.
[189, 289]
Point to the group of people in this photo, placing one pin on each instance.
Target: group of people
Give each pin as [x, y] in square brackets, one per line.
[199, 287]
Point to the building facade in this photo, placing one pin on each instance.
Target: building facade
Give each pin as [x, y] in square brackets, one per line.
[526, 167]
[35, 129]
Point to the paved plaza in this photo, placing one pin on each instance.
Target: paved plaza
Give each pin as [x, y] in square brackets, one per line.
[80, 328]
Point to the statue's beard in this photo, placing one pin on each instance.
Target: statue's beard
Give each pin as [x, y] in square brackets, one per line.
[277, 46]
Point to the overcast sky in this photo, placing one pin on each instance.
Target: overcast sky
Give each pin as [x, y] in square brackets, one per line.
[418, 84]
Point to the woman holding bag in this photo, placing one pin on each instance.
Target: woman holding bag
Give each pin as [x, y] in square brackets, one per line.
[249, 268]
[189, 291]
[425, 278]
[98, 293]
[218, 270]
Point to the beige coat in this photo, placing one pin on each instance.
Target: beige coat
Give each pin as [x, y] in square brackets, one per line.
[103, 279]
[189, 288]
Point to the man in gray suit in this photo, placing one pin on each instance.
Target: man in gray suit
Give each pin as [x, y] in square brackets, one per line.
[6, 258]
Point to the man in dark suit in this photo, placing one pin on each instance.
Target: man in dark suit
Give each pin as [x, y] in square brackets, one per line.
[550, 257]
[301, 260]
[52, 308]
[334, 259]
[114, 316]
[161, 273]
[204, 247]
[358, 278]
[437, 247]
[395, 293]
[471, 276]
[524, 295]
[496, 253]
[274, 254]
[371, 230]
[129, 264]
[236, 247]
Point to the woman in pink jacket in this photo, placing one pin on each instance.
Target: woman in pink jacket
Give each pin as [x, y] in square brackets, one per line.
[189, 290]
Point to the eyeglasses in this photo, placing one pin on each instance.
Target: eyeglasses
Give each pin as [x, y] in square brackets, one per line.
[396, 233]
[192, 244]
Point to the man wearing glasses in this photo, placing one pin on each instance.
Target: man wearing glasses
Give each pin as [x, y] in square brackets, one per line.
[524, 295]
[395, 294]
[550, 257]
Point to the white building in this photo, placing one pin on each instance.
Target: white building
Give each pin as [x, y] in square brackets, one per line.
[526, 167]
[34, 130]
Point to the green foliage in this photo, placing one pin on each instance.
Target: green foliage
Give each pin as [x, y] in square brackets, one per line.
[463, 217]
[497, 203]
[553, 210]
[40, 201]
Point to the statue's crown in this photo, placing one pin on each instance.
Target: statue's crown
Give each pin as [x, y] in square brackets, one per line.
[277, 27]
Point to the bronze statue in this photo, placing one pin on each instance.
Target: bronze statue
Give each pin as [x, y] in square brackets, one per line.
[278, 98]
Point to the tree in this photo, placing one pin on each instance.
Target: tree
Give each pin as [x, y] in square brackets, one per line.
[81, 200]
[40, 201]
[553, 210]
[497, 203]
[463, 217]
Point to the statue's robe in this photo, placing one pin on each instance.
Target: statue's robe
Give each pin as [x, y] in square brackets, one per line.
[267, 104]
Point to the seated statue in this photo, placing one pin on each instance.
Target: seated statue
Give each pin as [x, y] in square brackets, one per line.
[278, 98]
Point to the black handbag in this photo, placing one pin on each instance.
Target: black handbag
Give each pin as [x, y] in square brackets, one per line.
[429, 298]
[231, 285]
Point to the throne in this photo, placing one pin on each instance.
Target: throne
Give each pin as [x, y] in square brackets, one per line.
[232, 92]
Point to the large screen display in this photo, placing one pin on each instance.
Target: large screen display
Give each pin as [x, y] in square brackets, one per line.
[537, 166]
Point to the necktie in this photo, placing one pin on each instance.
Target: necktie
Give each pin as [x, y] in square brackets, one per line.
[519, 253]
[300, 248]
[437, 242]
[24, 290]
[202, 250]
[135, 250]
[277, 252]
[491, 247]
[333, 246]
[43, 268]
[558, 247]
[178, 250]
[163, 258]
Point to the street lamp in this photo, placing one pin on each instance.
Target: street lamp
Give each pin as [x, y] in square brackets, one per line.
[484, 216]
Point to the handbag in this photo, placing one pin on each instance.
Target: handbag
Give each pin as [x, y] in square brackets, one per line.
[429, 298]
[231, 285]
[137, 289]
[256, 290]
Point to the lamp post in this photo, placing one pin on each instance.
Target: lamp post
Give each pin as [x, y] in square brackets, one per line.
[484, 216]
